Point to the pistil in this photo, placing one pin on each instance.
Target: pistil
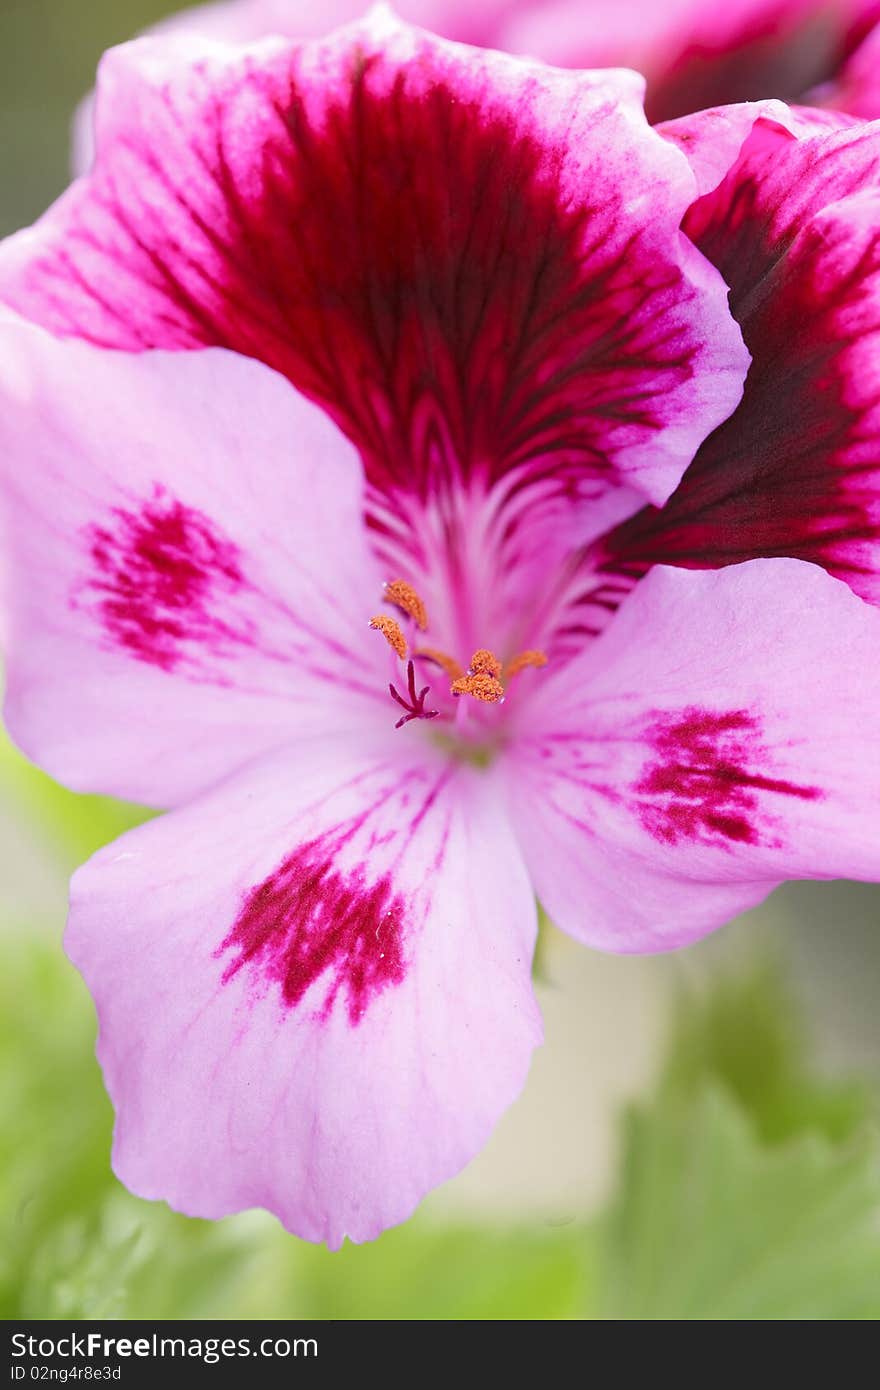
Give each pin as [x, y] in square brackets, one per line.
[415, 705]
[484, 680]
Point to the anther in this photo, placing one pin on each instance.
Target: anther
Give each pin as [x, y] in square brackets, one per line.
[482, 686]
[446, 663]
[404, 597]
[391, 630]
[484, 663]
[532, 657]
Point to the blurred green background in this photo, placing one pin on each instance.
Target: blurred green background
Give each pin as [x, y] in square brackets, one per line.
[698, 1138]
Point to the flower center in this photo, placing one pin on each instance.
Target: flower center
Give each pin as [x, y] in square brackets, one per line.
[485, 679]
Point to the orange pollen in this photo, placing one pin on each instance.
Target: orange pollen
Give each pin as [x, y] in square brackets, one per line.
[532, 657]
[446, 663]
[404, 597]
[391, 631]
[481, 686]
[484, 663]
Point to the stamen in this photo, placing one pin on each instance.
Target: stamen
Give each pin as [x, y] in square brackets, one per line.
[415, 705]
[404, 597]
[532, 657]
[391, 630]
[484, 663]
[446, 663]
[482, 686]
[481, 680]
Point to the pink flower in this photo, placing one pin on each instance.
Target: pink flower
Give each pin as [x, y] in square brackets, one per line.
[694, 55]
[391, 691]
[793, 228]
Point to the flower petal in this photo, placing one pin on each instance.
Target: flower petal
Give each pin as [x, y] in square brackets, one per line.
[712, 140]
[242, 21]
[188, 579]
[751, 48]
[696, 55]
[720, 737]
[796, 469]
[692, 55]
[472, 261]
[856, 89]
[313, 988]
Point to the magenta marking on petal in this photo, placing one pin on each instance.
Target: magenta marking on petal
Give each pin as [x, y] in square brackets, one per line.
[158, 571]
[408, 252]
[793, 471]
[451, 314]
[700, 787]
[308, 919]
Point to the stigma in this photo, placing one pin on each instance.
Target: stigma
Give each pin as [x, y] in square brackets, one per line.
[485, 679]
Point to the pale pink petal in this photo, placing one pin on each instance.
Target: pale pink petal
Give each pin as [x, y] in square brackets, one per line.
[472, 261]
[242, 21]
[795, 230]
[712, 140]
[188, 580]
[313, 987]
[230, 21]
[694, 55]
[722, 735]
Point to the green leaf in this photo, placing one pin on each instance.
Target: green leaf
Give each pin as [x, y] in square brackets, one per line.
[72, 825]
[748, 1188]
[745, 1033]
[423, 1270]
[711, 1224]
